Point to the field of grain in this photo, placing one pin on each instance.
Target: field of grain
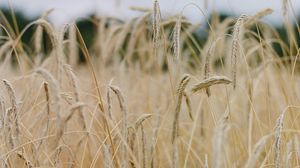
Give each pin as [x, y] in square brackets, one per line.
[148, 94]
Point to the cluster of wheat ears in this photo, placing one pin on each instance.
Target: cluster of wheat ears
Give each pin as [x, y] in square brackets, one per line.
[230, 102]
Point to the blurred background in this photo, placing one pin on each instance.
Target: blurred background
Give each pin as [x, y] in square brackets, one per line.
[70, 10]
[85, 13]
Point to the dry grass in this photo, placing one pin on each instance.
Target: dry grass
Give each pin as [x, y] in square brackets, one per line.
[54, 114]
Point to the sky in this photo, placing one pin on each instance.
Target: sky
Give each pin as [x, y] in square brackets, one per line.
[66, 11]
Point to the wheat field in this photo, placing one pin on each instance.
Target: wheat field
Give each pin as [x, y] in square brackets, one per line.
[148, 94]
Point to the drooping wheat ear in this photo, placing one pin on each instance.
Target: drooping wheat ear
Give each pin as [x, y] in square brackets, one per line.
[12, 117]
[182, 85]
[54, 37]
[38, 35]
[53, 85]
[71, 110]
[141, 119]
[219, 140]
[123, 108]
[253, 19]
[156, 27]
[154, 138]
[137, 125]
[176, 40]
[56, 43]
[73, 49]
[207, 68]
[278, 131]
[49, 30]
[235, 46]
[214, 80]
[56, 100]
[175, 130]
[258, 148]
[74, 83]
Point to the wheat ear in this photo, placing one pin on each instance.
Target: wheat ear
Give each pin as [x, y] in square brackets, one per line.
[234, 50]
[12, 117]
[215, 80]
[123, 108]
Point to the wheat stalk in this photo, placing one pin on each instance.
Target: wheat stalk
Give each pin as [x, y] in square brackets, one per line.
[109, 103]
[219, 140]
[145, 156]
[2, 113]
[175, 157]
[46, 130]
[107, 159]
[188, 104]
[154, 138]
[288, 154]
[258, 148]
[206, 161]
